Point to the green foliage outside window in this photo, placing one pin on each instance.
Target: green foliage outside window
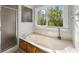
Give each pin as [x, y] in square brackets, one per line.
[55, 17]
[41, 17]
[41, 20]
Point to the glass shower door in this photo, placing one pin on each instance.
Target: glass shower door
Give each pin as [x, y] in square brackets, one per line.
[8, 28]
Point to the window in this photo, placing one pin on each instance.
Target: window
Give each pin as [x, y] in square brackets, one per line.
[26, 14]
[51, 16]
[42, 17]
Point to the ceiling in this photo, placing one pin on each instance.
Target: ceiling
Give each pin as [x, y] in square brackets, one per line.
[36, 6]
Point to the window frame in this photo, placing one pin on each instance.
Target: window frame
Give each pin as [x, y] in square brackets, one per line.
[45, 8]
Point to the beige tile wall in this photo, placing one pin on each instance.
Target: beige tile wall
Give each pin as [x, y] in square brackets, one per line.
[64, 35]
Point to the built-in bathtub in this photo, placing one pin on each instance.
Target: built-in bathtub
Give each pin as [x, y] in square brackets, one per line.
[47, 43]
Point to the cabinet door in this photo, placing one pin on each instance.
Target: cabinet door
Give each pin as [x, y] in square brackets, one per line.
[22, 45]
[30, 48]
[37, 50]
[27, 47]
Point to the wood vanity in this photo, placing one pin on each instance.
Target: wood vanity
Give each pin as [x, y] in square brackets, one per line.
[29, 48]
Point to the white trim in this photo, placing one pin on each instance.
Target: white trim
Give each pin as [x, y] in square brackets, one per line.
[9, 7]
[0, 28]
[17, 30]
[11, 50]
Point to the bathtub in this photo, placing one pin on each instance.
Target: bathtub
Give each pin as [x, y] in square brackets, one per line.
[47, 44]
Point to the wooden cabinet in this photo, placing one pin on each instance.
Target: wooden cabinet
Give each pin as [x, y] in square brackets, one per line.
[22, 45]
[29, 48]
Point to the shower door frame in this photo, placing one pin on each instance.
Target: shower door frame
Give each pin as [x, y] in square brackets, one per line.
[16, 20]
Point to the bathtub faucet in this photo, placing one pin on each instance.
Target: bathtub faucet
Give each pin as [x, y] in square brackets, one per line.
[59, 36]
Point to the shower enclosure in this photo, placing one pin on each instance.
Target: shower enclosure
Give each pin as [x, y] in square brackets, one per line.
[8, 18]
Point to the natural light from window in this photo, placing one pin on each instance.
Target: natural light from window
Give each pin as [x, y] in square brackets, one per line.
[51, 16]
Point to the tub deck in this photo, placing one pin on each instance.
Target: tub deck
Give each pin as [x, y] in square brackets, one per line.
[47, 43]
